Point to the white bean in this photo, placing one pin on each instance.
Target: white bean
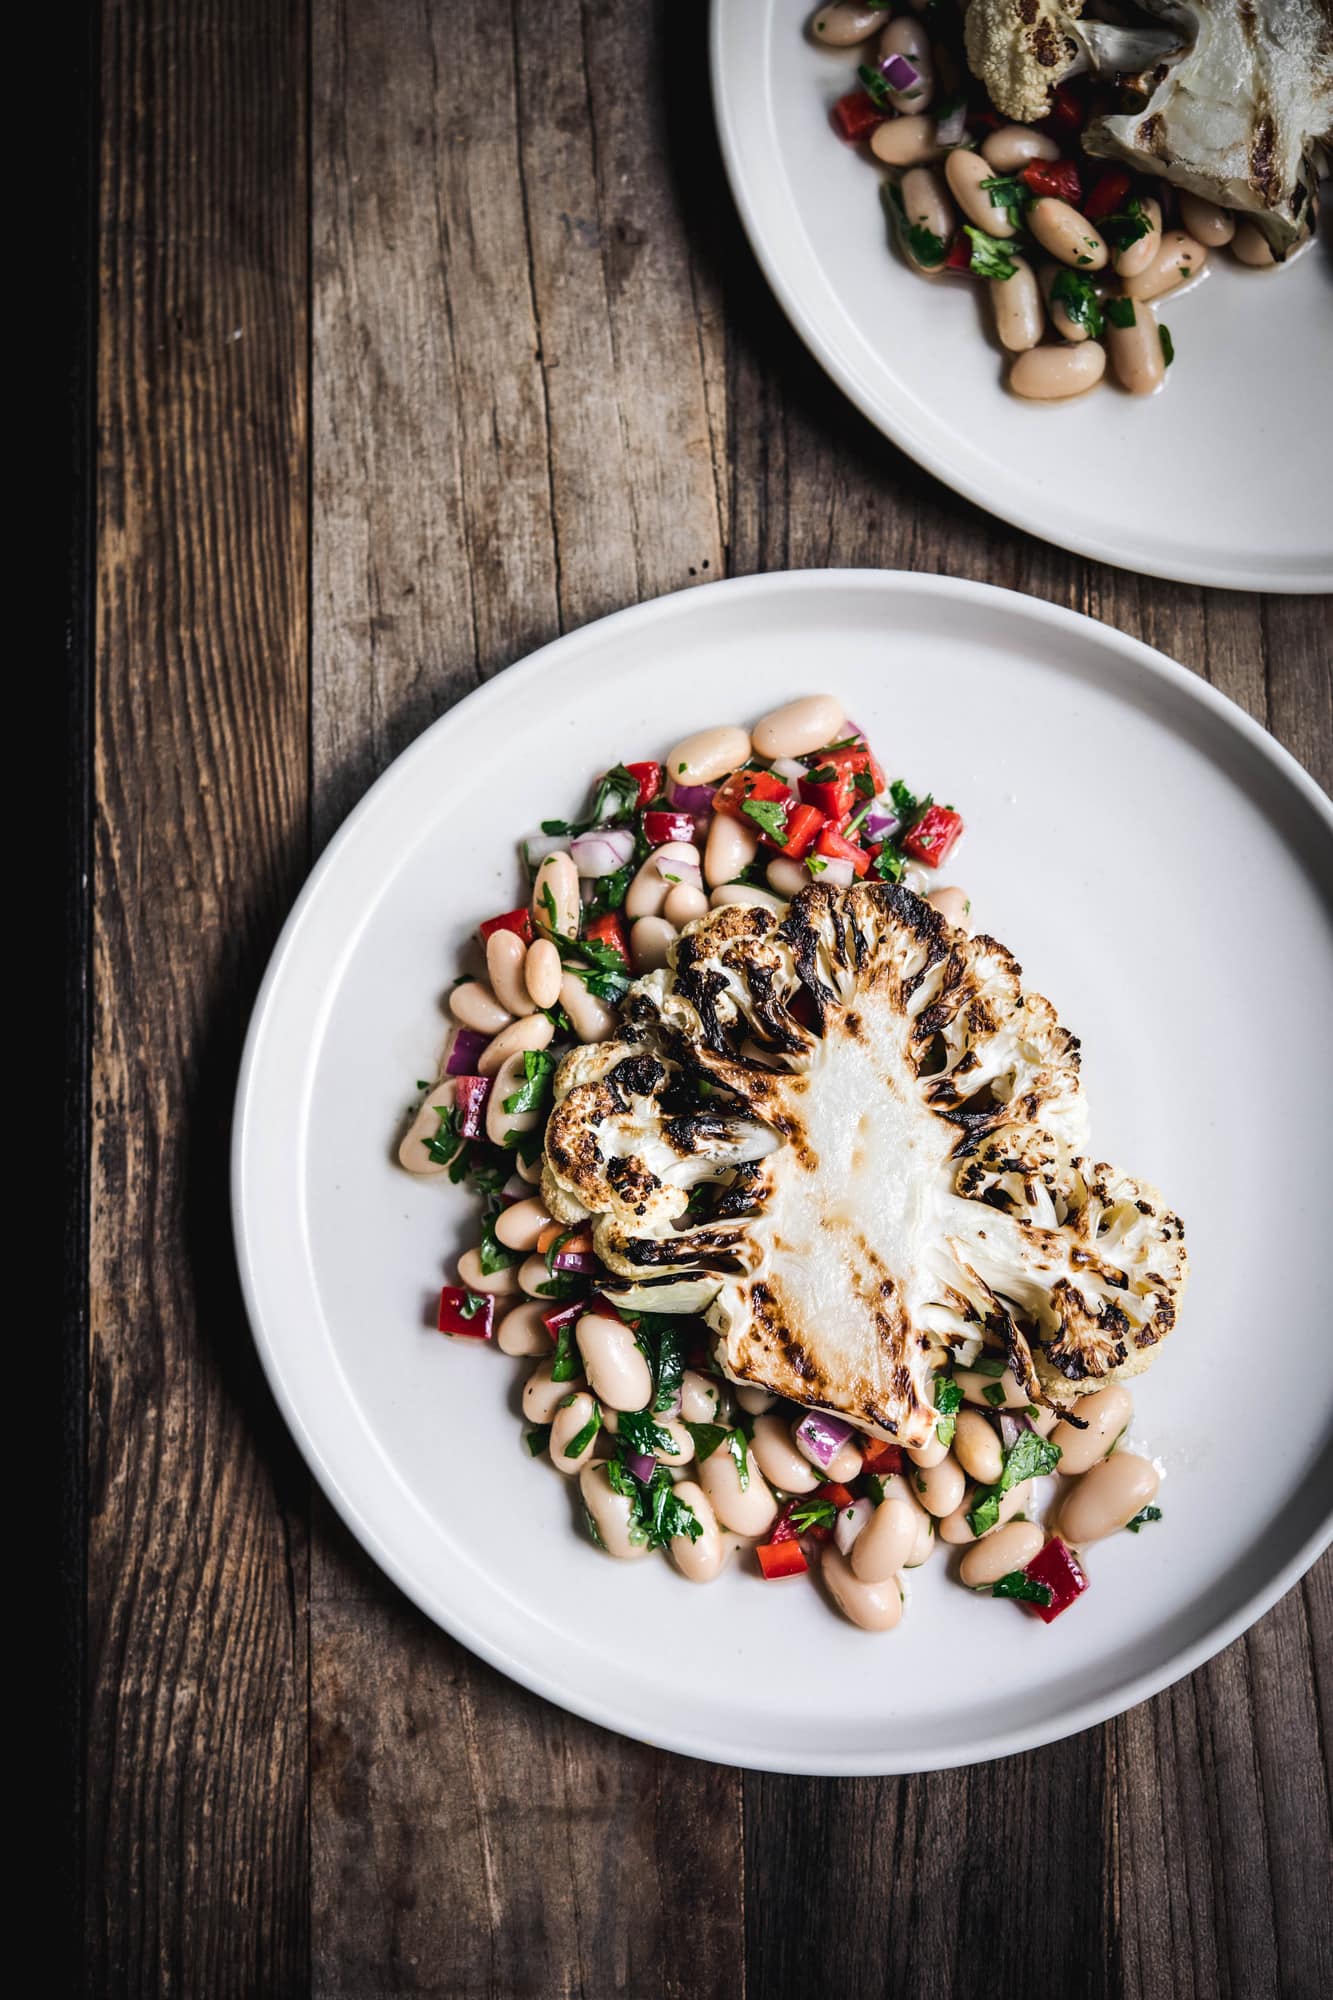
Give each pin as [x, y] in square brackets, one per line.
[897, 1487]
[747, 1510]
[952, 905]
[708, 755]
[520, 1225]
[700, 1398]
[991, 1392]
[940, 1487]
[1059, 228]
[799, 727]
[745, 892]
[500, 1284]
[543, 1395]
[684, 904]
[930, 1453]
[965, 171]
[650, 940]
[535, 1280]
[1108, 1496]
[647, 893]
[1012, 146]
[533, 1032]
[1016, 304]
[875, 1607]
[730, 848]
[1062, 320]
[1051, 374]
[1008, 1548]
[1206, 222]
[1252, 247]
[505, 957]
[412, 1153]
[977, 1448]
[473, 1005]
[926, 205]
[556, 905]
[754, 1400]
[615, 1363]
[701, 1559]
[1107, 1413]
[905, 142]
[1137, 256]
[523, 1330]
[779, 1461]
[843, 25]
[906, 37]
[542, 973]
[1136, 350]
[883, 1546]
[956, 1528]
[568, 1422]
[590, 1018]
[610, 1514]
[680, 1438]
[507, 1082]
[1178, 259]
[787, 877]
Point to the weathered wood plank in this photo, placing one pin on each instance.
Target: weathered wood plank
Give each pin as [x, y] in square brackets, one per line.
[512, 409]
[196, 1752]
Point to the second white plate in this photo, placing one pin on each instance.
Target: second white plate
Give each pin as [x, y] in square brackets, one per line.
[1165, 874]
[1220, 479]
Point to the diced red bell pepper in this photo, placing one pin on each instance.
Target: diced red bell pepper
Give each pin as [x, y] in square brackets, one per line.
[1053, 177]
[470, 1094]
[1110, 192]
[882, 1458]
[803, 823]
[649, 778]
[1063, 1575]
[517, 921]
[836, 847]
[833, 1490]
[959, 256]
[837, 792]
[781, 1559]
[662, 826]
[785, 1528]
[1068, 113]
[609, 930]
[761, 788]
[469, 1313]
[857, 115]
[557, 1316]
[934, 836]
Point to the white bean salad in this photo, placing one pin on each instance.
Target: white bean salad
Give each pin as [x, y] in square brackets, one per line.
[669, 1454]
[1074, 251]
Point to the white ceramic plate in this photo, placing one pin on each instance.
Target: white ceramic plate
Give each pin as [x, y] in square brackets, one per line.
[1164, 872]
[1222, 479]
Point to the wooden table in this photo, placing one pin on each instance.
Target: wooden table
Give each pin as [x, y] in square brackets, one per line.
[420, 339]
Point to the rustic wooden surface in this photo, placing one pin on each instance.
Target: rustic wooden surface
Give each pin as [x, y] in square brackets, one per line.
[419, 340]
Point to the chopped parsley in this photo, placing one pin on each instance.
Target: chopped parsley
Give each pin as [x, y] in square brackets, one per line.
[1130, 226]
[708, 1438]
[1168, 345]
[769, 815]
[566, 1362]
[579, 1444]
[643, 1435]
[1027, 1457]
[995, 1394]
[948, 1402]
[1077, 299]
[600, 967]
[1008, 192]
[1025, 1589]
[807, 1514]
[616, 798]
[926, 246]
[1120, 312]
[537, 1439]
[669, 1365]
[495, 1255]
[990, 258]
[538, 1068]
[656, 1515]
[472, 1304]
[889, 863]
[874, 85]
[1142, 1518]
[988, 1364]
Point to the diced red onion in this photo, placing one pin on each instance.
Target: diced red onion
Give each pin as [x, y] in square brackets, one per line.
[582, 1262]
[515, 1189]
[880, 823]
[898, 73]
[836, 873]
[534, 847]
[677, 867]
[849, 1524]
[1013, 1423]
[464, 1050]
[642, 1464]
[790, 768]
[949, 131]
[692, 798]
[470, 1094]
[673, 1407]
[822, 1436]
[602, 853]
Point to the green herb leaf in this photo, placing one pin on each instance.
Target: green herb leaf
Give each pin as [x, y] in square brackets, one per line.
[1027, 1458]
[1006, 191]
[707, 1438]
[1025, 1589]
[471, 1306]
[446, 1142]
[495, 1255]
[809, 1514]
[928, 248]
[1130, 226]
[642, 1434]
[670, 1365]
[988, 1364]
[566, 1363]
[1077, 298]
[1168, 345]
[537, 1439]
[1120, 312]
[995, 1395]
[948, 1402]
[990, 258]
[889, 863]
[538, 1068]
[769, 815]
[586, 1435]
[1141, 1519]
[736, 1445]
[874, 85]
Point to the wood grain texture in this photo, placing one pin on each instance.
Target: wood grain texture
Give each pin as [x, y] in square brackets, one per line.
[545, 379]
[196, 1748]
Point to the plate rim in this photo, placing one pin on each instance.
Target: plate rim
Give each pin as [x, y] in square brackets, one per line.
[529, 1673]
[1220, 575]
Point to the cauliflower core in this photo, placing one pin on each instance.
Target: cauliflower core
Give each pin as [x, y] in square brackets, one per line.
[851, 1139]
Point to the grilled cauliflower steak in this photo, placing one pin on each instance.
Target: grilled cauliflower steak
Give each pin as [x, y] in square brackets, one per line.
[852, 1139]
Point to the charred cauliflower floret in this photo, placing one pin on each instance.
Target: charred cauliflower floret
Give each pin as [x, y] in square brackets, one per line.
[852, 1139]
[1021, 49]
